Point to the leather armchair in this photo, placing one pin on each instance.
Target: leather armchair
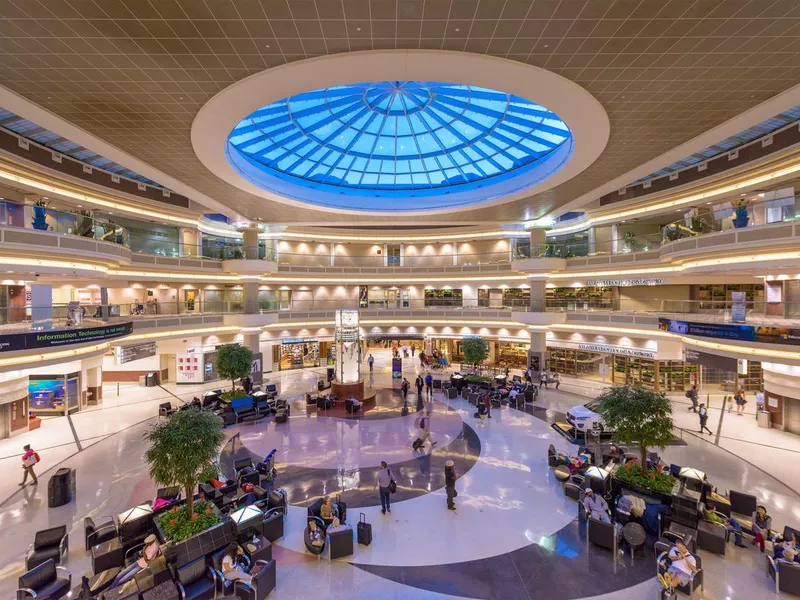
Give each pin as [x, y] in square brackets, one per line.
[340, 543]
[95, 533]
[165, 409]
[196, 580]
[48, 544]
[273, 525]
[45, 581]
[263, 583]
[785, 574]
[696, 580]
[603, 534]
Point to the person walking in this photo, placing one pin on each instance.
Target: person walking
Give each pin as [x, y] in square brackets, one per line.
[450, 483]
[740, 402]
[371, 361]
[29, 459]
[528, 378]
[425, 425]
[702, 412]
[405, 385]
[557, 378]
[487, 402]
[383, 481]
[759, 402]
[413, 349]
[543, 379]
[420, 383]
[692, 395]
[429, 385]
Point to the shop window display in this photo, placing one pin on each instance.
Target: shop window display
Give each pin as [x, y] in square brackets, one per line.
[580, 298]
[297, 354]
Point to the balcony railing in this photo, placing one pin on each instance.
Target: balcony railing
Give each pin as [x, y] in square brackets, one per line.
[42, 218]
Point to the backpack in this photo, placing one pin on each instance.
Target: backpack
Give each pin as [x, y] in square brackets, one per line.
[423, 422]
[36, 456]
[688, 393]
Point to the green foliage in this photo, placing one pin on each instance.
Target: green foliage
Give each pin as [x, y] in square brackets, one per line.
[477, 379]
[475, 349]
[179, 524]
[184, 449]
[637, 416]
[651, 480]
[234, 362]
[228, 396]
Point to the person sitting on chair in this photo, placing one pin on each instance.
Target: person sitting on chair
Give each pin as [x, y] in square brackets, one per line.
[762, 523]
[326, 511]
[596, 506]
[681, 570]
[789, 550]
[231, 569]
[314, 534]
[149, 553]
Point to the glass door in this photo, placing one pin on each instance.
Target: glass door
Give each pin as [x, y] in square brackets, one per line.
[285, 299]
[393, 255]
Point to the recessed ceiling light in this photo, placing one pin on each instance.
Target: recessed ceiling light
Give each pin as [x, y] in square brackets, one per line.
[266, 46]
[358, 28]
[458, 29]
[547, 45]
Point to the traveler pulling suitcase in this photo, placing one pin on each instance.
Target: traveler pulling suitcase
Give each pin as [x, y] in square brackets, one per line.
[364, 530]
[417, 444]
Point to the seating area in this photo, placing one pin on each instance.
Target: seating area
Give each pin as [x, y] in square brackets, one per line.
[253, 516]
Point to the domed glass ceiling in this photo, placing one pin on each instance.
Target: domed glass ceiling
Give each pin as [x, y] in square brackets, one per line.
[398, 140]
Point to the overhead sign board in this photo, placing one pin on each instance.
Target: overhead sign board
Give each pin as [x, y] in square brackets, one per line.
[743, 333]
[35, 340]
[126, 354]
[622, 350]
[624, 282]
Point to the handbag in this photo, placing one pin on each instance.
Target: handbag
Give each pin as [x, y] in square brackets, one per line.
[392, 484]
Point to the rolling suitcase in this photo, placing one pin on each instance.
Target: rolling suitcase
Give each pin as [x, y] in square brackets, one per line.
[364, 530]
[417, 444]
[281, 416]
[342, 509]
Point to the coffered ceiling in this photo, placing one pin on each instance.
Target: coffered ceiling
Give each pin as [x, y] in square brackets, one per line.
[136, 72]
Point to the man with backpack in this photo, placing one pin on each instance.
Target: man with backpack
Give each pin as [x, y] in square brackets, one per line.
[29, 459]
[371, 361]
[692, 395]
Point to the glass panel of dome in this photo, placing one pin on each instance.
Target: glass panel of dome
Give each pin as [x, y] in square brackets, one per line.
[447, 138]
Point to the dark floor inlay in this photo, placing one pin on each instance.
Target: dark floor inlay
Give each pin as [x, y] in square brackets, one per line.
[415, 477]
[559, 567]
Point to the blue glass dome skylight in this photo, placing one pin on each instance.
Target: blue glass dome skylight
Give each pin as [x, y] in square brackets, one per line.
[399, 145]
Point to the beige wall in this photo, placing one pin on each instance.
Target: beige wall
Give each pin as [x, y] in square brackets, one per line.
[644, 298]
[359, 255]
[428, 255]
[304, 253]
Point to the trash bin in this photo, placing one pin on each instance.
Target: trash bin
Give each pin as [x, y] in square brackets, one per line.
[765, 419]
[152, 379]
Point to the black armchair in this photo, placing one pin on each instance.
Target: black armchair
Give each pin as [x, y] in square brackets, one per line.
[785, 574]
[742, 504]
[696, 581]
[603, 534]
[95, 533]
[273, 525]
[261, 585]
[48, 544]
[46, 580]
[196, 580]
[215, 562]
[165, 409]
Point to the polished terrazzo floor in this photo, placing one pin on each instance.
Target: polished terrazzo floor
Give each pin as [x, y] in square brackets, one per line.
[514, 534]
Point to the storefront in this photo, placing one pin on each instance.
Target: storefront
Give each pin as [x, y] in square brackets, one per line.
[54, 394]
[197, 365]
[297, 354]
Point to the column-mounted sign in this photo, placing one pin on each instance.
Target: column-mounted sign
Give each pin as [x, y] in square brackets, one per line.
[257, 368]
[714, 361]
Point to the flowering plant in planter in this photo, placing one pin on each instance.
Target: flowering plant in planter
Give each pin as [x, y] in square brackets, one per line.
[178, 524]
[652, 479]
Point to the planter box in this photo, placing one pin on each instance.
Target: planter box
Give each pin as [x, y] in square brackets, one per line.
[649, 496]
[206, 542]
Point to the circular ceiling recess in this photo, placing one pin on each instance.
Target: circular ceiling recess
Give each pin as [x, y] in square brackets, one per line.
[399, 146]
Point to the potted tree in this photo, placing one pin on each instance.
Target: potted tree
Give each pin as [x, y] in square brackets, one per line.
[475, 350]
[39, 220]
[234, 362]
[183, 452]
[638, 417]
[740, 215]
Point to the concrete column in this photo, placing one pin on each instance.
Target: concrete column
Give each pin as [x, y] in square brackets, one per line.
[455, 254]
[592, 241]
[250, 297]
[402, 255]
[41, 306]
[615, 241]
[250, 243]
[333, 254]
[538, 240]
[537, 354]
[538, 292]
[250, 340]
[386, 255]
